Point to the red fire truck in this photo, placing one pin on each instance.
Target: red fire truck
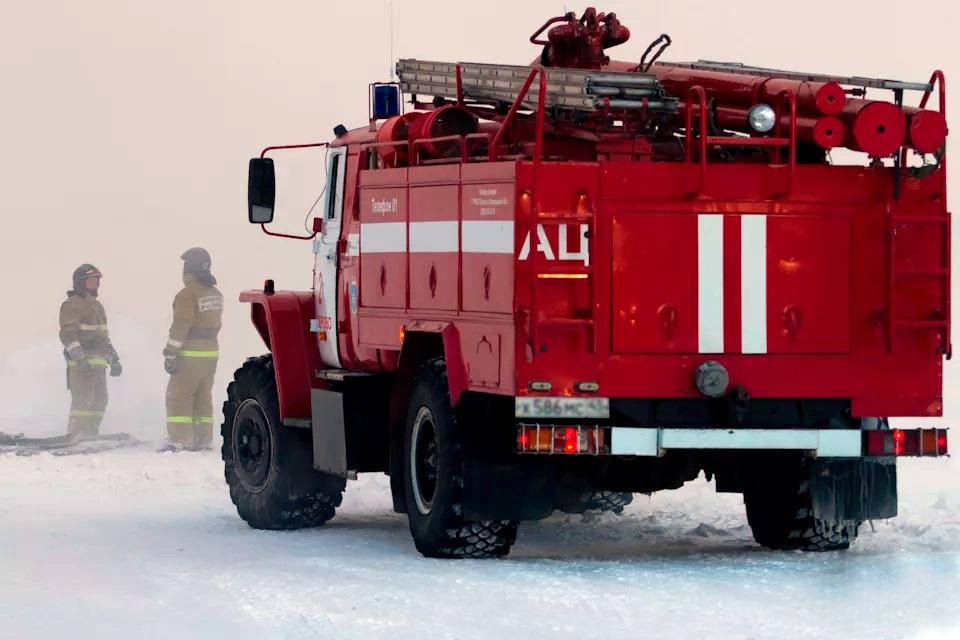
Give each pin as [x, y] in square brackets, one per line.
[550, 285]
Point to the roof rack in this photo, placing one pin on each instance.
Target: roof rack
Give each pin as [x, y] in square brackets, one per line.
[858, 81]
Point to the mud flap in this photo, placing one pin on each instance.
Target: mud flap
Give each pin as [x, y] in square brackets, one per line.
[514, 490]
[853, 490]
[350, 427]
[329, 432]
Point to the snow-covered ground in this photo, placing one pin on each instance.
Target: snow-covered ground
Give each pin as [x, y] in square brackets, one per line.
[135, 544]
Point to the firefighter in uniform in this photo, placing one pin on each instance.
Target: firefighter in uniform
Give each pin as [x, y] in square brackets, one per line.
[190, 356]
[88, 351]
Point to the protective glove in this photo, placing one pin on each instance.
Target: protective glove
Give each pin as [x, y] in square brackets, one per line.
[170, 364]
[116, 368]
[112, 354]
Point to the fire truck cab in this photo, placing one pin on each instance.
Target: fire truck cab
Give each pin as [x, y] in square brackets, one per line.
[553, 286]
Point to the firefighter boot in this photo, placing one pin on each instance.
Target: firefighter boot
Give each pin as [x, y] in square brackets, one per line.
[203, 435]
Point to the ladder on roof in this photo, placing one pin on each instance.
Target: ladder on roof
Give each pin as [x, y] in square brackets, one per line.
[582, 90]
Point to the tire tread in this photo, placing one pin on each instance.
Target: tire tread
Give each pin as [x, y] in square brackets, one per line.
[297, 496]
[787, 523]
[460, 538]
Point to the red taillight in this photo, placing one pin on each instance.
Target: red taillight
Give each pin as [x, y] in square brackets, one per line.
[906, 442]
[560, 439]
[524, 440]
[898, 438]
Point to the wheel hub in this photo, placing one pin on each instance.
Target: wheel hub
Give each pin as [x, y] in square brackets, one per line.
[251, 444]
[424, 461]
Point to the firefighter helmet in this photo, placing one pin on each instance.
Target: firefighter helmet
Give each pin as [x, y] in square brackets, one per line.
[196, 260]
[81, 273]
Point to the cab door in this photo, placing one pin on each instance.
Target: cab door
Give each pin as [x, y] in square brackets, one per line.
[326, 259]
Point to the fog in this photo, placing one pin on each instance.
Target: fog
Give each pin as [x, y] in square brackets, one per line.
[127, 127]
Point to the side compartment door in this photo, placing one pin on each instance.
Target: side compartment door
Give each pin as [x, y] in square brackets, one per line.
[808, 284]
[383, 247]
[325, 250]
[655, 283]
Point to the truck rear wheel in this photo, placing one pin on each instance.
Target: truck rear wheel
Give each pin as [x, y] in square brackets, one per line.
[783, 519]
[433, 478]
[269, 466]
[612, 501]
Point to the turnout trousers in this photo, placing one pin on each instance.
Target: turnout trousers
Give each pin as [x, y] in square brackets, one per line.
[88, 396]
[190, 400]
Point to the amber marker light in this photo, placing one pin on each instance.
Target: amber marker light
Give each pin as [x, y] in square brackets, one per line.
[562, 276]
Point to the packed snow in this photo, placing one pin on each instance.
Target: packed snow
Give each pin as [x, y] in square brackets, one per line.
[132, 543]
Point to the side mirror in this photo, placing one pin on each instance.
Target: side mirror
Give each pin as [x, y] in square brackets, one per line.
[261, 191]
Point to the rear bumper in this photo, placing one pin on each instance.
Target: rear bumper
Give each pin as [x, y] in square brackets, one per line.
[831, 443]
[536, 438]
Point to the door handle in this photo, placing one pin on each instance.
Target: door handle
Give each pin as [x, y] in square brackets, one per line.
[668, 316]
[792, 320]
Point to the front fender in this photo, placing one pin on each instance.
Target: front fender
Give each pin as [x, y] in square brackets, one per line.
[283, 321]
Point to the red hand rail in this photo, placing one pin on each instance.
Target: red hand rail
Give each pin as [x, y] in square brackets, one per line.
[379, 145]
[707, 140]
[534, 208]
[415, 147]
[701, 95]
[467, 139]
[541, 108]
[938, 78]
[512, 113]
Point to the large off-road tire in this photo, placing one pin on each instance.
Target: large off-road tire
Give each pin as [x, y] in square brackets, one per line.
[783, 519]
[269, 466]
[433, 478]
[612, 501]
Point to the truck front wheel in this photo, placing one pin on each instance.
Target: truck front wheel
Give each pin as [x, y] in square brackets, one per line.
[269, 466]
[433, 478]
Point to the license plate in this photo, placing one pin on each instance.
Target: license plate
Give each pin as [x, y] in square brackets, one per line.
[571, 408]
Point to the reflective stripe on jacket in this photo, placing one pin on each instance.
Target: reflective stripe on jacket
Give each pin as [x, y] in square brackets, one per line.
[83, 323]
[197, 318]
